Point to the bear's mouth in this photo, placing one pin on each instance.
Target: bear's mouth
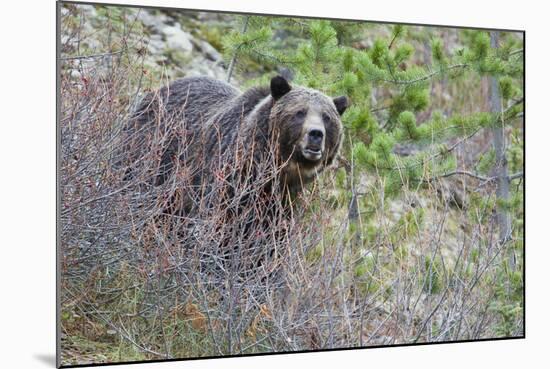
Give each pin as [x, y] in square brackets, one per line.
[312, 153]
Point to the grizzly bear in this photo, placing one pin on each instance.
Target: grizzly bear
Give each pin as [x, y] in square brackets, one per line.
[207, 128]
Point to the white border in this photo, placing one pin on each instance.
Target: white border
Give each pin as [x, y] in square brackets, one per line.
[27, 185]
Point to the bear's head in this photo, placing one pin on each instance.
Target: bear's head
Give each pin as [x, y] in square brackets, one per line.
[308, 127]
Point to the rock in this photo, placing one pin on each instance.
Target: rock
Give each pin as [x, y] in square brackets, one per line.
[210, 52]
[286, 73]
[75, 74]
[363, 44]
[452, 191]
[177, 39]
[405, 149]
[207, 16]
[155, 44]
[207, 50]
[89, 10]
[155, 22]
[200, 66]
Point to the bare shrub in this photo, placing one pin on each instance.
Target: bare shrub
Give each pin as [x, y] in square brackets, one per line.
[132, 257]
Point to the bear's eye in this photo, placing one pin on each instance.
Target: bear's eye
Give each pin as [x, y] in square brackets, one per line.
[326, 118]
[300, 114]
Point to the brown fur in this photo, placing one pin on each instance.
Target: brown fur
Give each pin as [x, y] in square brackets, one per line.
[213, 122]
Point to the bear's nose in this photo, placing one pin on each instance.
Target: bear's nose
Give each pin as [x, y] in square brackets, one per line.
[315, 136]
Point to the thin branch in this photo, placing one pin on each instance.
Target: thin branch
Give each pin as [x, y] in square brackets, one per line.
[93, 56]
[515, 176]
[423, 78]
[234, 59]
[475, 176]
[392, 41]
[465, 173]
[379, 108]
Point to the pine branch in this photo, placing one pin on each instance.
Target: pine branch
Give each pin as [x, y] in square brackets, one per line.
[272, 58]
[425, 77]
[519, 51]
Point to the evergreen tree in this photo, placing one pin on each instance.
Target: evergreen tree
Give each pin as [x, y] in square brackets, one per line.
[321, 62]
[392, 111]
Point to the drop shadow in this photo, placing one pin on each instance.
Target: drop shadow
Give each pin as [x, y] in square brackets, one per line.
[48, 359]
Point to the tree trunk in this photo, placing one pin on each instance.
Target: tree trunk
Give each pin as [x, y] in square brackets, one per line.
[353, 208]
[501, 165]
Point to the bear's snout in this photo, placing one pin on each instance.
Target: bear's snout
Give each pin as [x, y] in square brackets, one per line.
[314, 144]
[315, 137]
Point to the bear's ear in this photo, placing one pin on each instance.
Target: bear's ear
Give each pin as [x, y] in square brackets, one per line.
[341, 103]
[279, 87]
